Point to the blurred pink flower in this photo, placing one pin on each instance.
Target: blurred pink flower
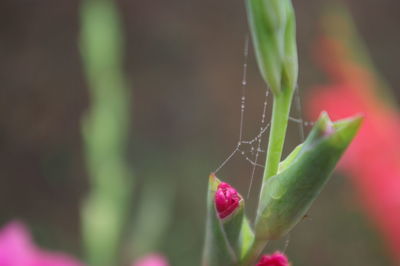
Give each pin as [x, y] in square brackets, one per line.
[151, 260]
[373, 159]
[17, 249]
[226, 200]
[276, 259]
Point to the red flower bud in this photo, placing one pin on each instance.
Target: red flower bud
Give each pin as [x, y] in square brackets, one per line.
[276, 259]
[226, 200]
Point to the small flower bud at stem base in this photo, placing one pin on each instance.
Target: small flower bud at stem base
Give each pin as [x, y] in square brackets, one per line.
[226, 200]
[276, 259]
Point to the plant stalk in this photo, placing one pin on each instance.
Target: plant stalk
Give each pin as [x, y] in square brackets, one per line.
[279, 121]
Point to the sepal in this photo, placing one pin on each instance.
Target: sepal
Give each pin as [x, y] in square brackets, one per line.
[228, 233]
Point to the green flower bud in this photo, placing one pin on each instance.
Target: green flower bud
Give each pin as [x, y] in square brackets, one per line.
[273, 30]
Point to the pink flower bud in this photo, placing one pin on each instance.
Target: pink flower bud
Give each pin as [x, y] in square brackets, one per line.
[226, 200]
[17, 248]
[151, 260]
[276, 259]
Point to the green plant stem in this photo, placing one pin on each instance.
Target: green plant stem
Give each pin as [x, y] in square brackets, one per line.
[279, 121]
[257, 247]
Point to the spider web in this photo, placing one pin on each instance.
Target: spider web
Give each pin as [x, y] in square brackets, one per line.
[248, 149]
[251, 149]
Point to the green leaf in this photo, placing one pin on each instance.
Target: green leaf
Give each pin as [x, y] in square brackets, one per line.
[286, 197]
[290, 158]
[232, 226]
[246, 238]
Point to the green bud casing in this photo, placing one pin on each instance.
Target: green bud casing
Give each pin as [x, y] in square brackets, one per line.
[286, 197]
[273, 29]
[228, 238]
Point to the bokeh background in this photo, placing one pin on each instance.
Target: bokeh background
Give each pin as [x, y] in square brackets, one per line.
[183, 60]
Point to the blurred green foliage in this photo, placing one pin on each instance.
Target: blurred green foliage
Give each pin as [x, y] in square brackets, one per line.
[105, 130]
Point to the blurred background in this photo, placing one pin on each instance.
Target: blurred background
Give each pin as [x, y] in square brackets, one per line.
[183, 61]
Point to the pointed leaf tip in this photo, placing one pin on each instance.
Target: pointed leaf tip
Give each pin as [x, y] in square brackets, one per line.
[286, 197]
